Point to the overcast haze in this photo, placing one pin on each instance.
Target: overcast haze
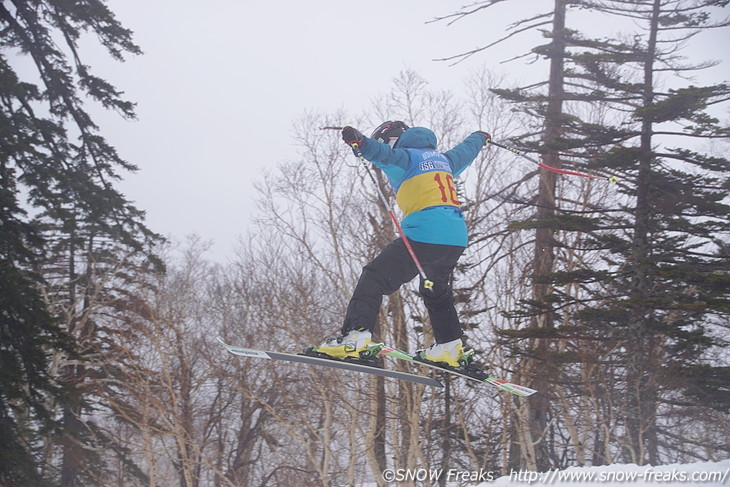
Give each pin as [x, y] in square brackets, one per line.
[221, 82]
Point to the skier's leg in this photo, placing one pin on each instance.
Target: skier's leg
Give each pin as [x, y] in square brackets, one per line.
[382, 276]
[439, 263]
[439, 301]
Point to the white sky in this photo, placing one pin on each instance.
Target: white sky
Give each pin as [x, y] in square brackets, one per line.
[221, 82]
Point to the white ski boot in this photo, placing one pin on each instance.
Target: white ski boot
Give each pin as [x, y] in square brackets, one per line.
[451, 355]
[355, 345]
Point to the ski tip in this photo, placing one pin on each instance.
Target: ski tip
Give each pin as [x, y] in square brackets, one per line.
[514, 388]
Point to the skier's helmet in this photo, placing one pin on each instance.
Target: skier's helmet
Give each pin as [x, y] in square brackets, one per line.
[389, 132]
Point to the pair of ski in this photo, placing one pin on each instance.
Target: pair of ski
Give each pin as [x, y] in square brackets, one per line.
[370, 369]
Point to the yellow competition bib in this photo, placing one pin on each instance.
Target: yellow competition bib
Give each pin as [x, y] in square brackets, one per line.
[433, 188]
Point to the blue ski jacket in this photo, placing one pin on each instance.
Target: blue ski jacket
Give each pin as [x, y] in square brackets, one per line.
[423, 181]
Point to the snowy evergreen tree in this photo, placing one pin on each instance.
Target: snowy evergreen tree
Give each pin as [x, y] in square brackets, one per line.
[666, 276]
[59, 207]
[639, 279]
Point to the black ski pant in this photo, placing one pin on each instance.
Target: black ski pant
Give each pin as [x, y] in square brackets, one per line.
[394, 267]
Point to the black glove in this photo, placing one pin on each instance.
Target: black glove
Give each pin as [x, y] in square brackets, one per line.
[352, 137]
[487, 137]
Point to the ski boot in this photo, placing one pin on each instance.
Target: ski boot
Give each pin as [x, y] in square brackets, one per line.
[451, 356]
[354, 346]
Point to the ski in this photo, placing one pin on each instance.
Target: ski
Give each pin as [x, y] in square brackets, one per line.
[502, 384]
[334, 363]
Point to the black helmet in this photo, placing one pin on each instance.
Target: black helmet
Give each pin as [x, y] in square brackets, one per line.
[389, 132]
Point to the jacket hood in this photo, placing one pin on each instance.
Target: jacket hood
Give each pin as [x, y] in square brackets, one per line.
[417, 138]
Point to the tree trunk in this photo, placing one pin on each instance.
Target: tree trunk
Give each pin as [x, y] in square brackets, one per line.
[544, 257]
[641, 397]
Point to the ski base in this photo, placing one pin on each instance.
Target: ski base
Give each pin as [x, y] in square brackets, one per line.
[511, 387]
[330, 362]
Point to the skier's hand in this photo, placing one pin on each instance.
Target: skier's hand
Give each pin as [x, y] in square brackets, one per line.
[352, 137]
[486, 136]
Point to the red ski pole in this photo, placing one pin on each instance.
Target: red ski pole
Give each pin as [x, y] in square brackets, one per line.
[612, 179]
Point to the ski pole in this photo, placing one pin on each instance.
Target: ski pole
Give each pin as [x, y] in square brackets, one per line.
[611, 179]
[427, 283]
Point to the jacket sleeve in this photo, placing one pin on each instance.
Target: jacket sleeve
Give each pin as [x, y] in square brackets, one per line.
[464, 154]
[383, 156]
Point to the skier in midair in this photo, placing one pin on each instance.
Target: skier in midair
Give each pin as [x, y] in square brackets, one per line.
[423, 181]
